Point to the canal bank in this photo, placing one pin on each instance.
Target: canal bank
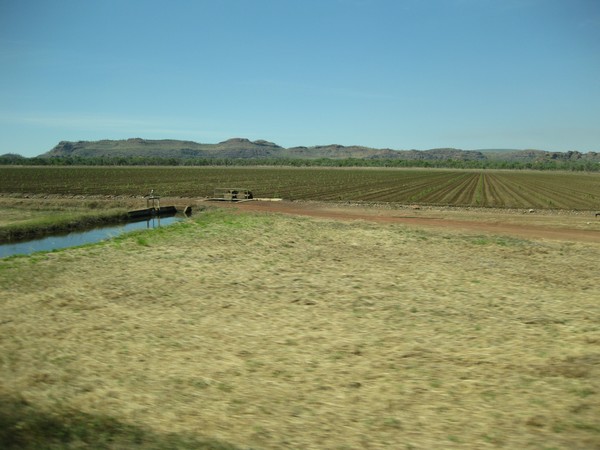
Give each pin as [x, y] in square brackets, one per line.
[57, 223]
[34, 219]
[78, 238]
[27, 217]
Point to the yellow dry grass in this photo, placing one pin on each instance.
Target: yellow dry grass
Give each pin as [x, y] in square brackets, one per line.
[273, 332]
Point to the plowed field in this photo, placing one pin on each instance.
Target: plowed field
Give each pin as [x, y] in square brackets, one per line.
[490, 189]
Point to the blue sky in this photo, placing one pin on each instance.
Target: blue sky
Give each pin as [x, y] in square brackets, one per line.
[398, 74]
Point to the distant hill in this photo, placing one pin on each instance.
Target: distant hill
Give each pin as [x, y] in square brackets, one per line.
[231, 148]
[12, 155]
[136, 147]
[240, 148]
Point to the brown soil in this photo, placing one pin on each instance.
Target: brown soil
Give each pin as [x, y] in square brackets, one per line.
[562, 225]
[554, 225]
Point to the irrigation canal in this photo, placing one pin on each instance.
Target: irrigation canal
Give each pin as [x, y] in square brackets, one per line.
[77, 238]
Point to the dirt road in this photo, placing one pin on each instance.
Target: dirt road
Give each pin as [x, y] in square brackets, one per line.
[554, 225]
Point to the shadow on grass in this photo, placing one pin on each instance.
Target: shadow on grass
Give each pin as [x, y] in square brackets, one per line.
[23, 426]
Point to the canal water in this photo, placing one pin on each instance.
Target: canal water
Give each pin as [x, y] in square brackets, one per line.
[77, 238]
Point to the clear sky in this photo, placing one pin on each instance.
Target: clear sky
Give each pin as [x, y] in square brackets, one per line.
[398, 74]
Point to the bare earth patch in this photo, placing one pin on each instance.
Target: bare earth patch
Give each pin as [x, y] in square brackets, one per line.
[542, 224]
[279, 331]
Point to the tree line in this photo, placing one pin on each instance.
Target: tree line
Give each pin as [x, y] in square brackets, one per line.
[586, 165]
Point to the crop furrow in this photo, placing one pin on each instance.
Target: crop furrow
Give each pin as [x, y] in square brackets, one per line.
[496, 194]
[454, 191]
[517, 196]
[497, 188]
[437, 194]
[465, 195]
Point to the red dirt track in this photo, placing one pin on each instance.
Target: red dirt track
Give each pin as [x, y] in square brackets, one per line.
[417, 218]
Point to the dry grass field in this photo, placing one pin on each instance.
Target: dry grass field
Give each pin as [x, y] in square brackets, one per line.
[259, 330]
